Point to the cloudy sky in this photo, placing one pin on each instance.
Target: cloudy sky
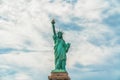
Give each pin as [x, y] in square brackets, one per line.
[91, 26]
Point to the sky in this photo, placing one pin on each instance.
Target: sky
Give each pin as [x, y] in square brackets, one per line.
[91, 26]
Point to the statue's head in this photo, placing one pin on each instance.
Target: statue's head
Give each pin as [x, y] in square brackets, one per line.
[60, 34]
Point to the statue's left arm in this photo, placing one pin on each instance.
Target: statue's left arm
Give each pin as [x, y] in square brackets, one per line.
[67, 47]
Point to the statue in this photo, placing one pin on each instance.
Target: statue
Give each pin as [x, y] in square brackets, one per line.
[60, 50]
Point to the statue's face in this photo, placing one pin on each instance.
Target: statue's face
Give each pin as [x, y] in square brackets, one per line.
[60, 34]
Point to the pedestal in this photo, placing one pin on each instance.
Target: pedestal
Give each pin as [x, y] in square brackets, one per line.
[59, 76]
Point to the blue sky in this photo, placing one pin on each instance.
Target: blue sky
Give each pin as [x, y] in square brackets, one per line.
[91, 26]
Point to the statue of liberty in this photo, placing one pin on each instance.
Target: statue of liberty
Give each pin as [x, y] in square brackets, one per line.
[60, 50]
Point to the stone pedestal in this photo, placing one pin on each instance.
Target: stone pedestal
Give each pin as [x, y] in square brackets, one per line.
[59, 76]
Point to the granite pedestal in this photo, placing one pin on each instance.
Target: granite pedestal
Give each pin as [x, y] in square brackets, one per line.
[59, 76]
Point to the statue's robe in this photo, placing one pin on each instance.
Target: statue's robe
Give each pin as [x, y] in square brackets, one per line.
[60, 50]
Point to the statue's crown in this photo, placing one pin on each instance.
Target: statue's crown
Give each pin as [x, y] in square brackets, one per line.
[60, 32]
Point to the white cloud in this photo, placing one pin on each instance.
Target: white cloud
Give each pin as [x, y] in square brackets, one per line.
[22, 76]
[90, 9]
[28, 60]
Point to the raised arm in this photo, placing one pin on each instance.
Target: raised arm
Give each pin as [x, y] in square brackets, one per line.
[53, 26]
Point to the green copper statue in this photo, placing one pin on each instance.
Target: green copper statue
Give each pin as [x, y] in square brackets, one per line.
[60, 50]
